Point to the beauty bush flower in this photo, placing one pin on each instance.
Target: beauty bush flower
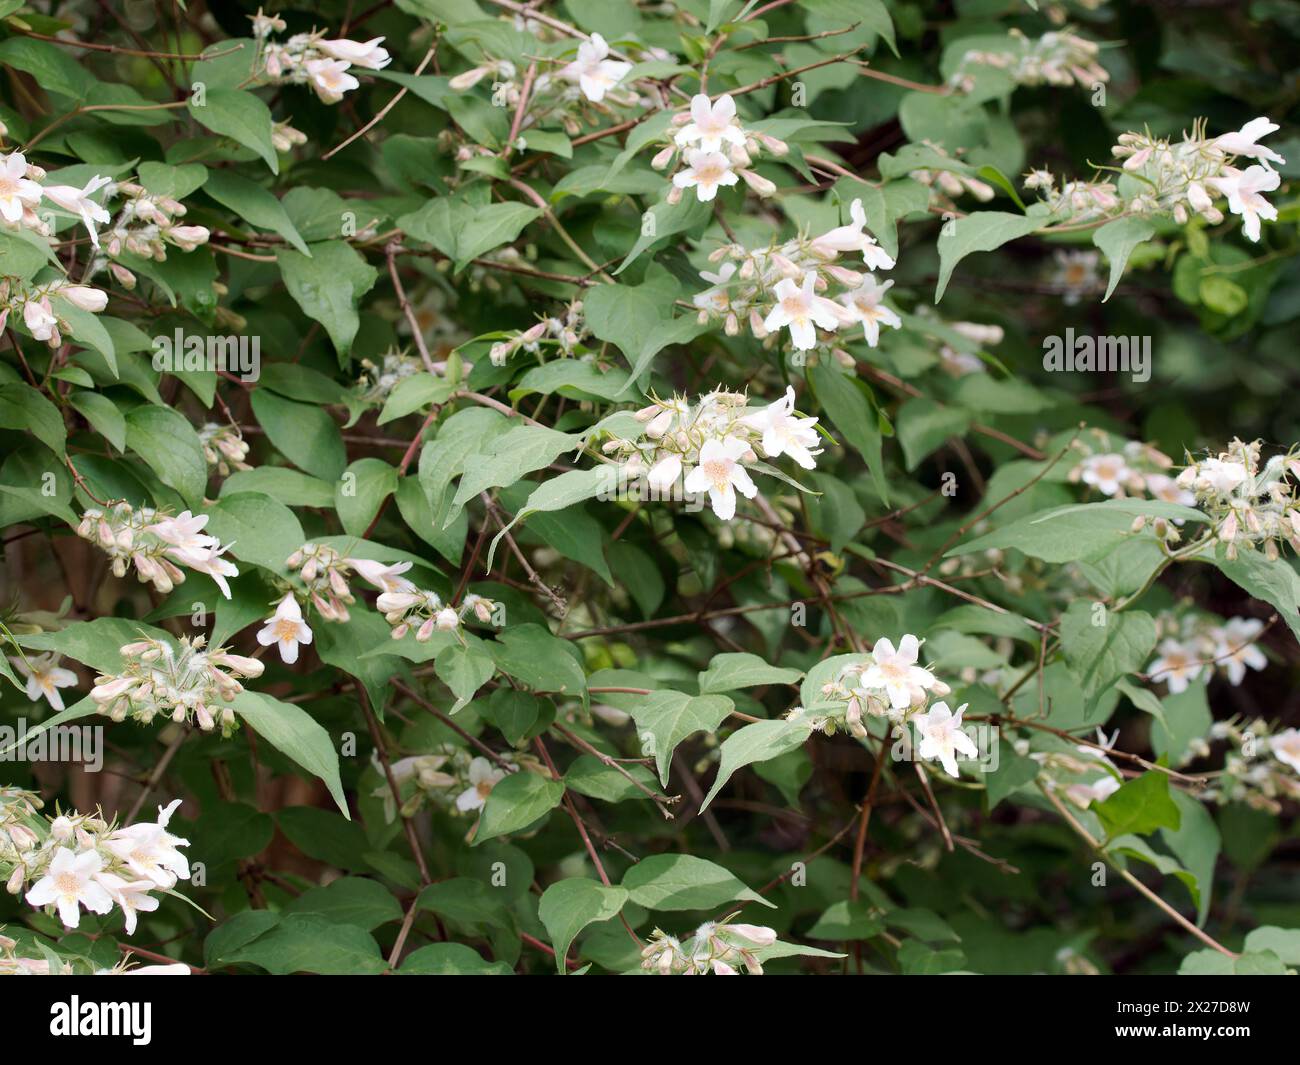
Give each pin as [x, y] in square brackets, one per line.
[157, 543]
[705, 172]
[784, 434]
[798, 307]
[286, 629]
[185, 682]
[95, 866]
[44, 677]
[941, 737]
[712, 124]
[483, 777]
[593, 71]
[865, 305]
[715, 948]
[18, 193]
[1252, 506]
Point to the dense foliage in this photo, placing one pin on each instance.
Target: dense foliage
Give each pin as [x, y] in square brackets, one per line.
[688, 486]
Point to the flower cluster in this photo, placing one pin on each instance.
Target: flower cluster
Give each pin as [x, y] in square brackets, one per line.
[184, 683]
[1196, 646]
[1260, 768]
[1178, 180]
[566, 332]
[716, 947]
[592, 77]
[712, 442]
[1131, 469]
[80, 860]
[39, 307]
[378, 380]
[1085, 775]
[21, 192]
[1060, 57]
[325, 572]
[780, 287]
[449, 777]
[157, 544]
[224, 448]
[1249, 505]
[409, 607]
[711, 150]
[312, 59]
[145, 225]
[949, 185]
[885, 683]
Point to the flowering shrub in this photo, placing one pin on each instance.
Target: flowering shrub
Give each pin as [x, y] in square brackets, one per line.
[594, 468]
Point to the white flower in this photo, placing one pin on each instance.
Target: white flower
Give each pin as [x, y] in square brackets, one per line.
[368, 55]
[1224, 477]
[594, 72]
[44, 678]
[286, 628]
[211, 563]
[1286, 747]
[39, 318]
[177, 968]
[711, 124]
[330, 79]
[387, 578]
[77, 201]
[783, 433]
[150, 851]
[1106, 473]
[1243, 142]
[721, 475]
[852, 238]
[664, 473]
[16, 192]
[942, 737]
[1243, 188]
[89, 299]
[1177, 666]
[1169, 490]
[799, 308]
[897, 672]
[1235, 648]
[1099, 790]
[482, 778]
[865, 306]
[131, 896]
[718, 298]
[184, 531]
[705, 172]
[446, 619]
[70, 883]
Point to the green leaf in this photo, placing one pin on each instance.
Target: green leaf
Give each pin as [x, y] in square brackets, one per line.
[729, 671]
[258, 528]
[845, 401]
[103, 416]
[516, 802]
[665, 718]
[1100, 654]
[464, 670]
[450, 959]
[294, 733]
[306, 435]
[983, 231]
[463, 231]
[239, 115]
[639, 320]
[1140, 807]
[755, 743]
[685, 882]
[254, 204]
[539, 660]
[1274, 581]
[361, 491]
[569, 906]
[309, 943]
[327, 286]
[168, 443]
[1118, 239]
[1079, 532]
[351, 900]
[23, 407]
